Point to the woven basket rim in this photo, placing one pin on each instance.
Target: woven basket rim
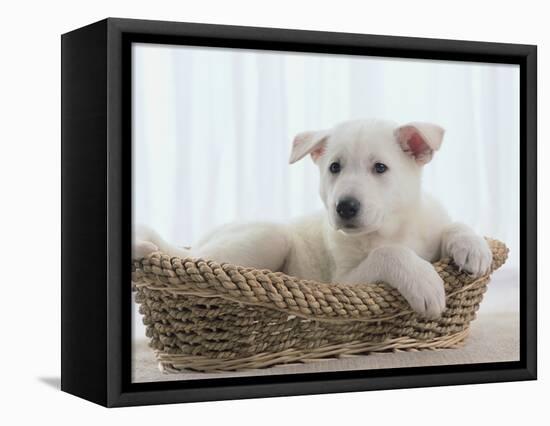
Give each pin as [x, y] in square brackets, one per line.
[303, 298]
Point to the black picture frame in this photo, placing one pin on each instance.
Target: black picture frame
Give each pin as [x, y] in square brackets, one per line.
[96, 211]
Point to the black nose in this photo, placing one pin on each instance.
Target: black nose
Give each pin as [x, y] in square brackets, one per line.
[347, 208]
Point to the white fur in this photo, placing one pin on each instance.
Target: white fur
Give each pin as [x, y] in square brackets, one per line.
[397, 232]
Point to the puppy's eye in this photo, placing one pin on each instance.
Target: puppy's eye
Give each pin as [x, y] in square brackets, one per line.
[335, 167]
[380, 168]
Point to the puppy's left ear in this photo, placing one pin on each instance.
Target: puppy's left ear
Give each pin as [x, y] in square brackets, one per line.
[313, 143]
[420, 140]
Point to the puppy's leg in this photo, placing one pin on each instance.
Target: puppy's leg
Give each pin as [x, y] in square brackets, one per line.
[147, 241]
[400, 267]
[254, 245]
[469, 251]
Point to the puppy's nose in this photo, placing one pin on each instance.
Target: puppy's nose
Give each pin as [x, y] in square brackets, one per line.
[348, 207]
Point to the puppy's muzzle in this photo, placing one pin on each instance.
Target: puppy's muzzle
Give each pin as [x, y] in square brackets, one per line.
[347, 208]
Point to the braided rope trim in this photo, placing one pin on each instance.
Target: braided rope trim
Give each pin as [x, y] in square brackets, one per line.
[174, 363]
[303, 298]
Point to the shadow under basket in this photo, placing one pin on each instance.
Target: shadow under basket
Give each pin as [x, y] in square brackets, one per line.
[205, 316]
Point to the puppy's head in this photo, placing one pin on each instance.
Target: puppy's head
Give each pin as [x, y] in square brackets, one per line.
[369, 169]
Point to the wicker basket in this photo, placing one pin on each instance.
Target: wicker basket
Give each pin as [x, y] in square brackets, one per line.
[205, 316]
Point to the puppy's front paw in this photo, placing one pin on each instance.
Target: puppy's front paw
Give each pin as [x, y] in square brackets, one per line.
[425, 291]
[143, 249]
[470, 253]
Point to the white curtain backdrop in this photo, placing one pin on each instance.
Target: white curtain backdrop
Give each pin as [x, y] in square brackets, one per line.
[212, 130]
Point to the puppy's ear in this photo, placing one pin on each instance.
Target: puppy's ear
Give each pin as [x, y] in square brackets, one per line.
[313, 143]
[420, 140]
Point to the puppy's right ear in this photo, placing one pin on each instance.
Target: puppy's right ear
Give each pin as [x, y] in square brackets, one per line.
[420, 140]
[313, 143]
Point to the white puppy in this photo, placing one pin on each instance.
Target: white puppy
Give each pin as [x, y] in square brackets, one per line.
[378, 225]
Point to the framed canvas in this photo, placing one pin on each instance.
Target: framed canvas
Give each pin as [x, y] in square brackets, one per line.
[198, 264]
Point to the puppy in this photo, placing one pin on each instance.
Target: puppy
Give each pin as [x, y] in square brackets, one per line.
[377, 226]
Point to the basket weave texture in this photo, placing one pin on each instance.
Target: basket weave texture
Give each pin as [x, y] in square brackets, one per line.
[205, 316]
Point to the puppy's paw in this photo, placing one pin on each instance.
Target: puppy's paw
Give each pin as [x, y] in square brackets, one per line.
[143, 249]
[425, 291]
[470, 253]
